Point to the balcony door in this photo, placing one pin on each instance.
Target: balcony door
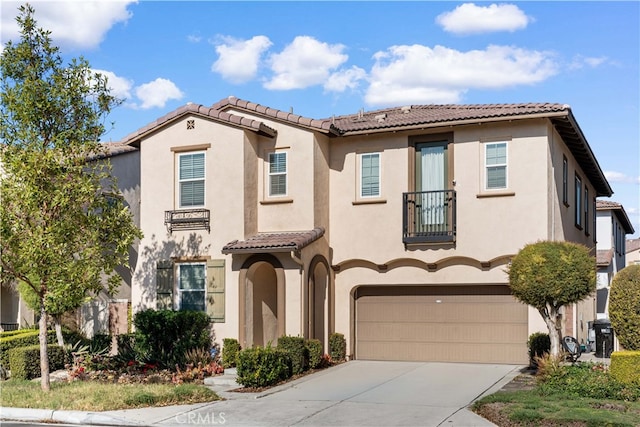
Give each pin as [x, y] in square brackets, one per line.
[431, 184]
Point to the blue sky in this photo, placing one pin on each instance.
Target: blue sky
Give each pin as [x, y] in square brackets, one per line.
[325, 58]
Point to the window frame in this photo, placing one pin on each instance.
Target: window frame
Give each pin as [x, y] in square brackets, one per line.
[504, 165]
[180, 290]
[361, 186]
[180, 180]
[578, 201]
[586, 210]
[565, 180]
[271, 174]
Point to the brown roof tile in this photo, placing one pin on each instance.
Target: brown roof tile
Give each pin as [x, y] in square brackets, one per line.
[274, 242]
[604, 257]
[204, 111]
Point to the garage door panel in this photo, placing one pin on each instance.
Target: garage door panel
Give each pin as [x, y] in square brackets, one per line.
[455, 323]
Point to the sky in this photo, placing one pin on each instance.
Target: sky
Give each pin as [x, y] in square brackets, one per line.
[324, 58]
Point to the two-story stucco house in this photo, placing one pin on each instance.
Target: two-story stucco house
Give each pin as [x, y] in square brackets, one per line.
[613, 225]
[393, 227]
[633, 251]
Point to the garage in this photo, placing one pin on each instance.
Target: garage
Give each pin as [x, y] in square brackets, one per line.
[480, 324]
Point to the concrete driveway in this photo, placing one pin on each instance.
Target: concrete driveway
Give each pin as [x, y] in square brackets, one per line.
[363, 393]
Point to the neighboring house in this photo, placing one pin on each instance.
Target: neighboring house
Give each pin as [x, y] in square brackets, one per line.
[393, 227]
[612, 227]
[106, 313]
[633, 251]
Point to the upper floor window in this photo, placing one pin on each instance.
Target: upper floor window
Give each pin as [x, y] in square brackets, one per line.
[586, 210]
[565, 181]
[191, 179]
[578, 201]
[496, 165]
[370, 175]
[278, 173]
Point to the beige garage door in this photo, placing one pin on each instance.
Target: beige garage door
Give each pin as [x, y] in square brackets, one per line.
[436, 323]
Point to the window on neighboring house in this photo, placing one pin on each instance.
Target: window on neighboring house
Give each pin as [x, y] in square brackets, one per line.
[565, 181]
[578, 201]
[278, 174]
[370, 175]
[191, 176]
[594, 215]
[586, 210]
[198, 285]
[496, 165]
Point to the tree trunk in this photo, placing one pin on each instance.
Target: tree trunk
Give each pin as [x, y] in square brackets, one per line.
[45, 382]
[58, 327]
[552, 318]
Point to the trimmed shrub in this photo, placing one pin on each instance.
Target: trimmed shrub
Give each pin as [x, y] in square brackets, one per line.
[5, 334]
[230, 349]
[337, 347]
[21, 340]
[625, 367]
[24, 362]
[164, 336]
[624, 307]
[538, 344]
[262, 366]
[314, 351]
[297, 352]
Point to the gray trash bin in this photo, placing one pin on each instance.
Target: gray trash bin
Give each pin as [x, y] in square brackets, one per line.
[604, 337]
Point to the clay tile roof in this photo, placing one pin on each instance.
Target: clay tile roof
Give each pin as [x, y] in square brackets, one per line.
[203, 111]
[604, 257]
[325, 126]
[274, 242]
[414, 115]
[618, 210]
[633, 245]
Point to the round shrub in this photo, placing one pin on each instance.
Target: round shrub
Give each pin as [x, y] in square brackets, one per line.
[624, 307]
[538, 344]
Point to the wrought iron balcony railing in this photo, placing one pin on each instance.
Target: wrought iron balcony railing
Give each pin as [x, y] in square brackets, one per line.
[429, 217]
[187, 219]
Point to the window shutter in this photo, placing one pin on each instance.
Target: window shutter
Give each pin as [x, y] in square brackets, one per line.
[215, 289]
[164, 285]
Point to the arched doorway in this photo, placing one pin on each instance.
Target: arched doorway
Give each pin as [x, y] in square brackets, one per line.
[262, 302]
[320, 324]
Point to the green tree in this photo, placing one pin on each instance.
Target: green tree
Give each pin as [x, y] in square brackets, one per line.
[624, 307]
[61, 229]
[549, 275]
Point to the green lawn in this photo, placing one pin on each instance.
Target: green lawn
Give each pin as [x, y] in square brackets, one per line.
[96, 396]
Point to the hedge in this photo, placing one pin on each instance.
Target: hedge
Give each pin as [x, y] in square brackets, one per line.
[625, 367]
[21, 340]
[261, 367]
[230, 349]
[24, 362]
[314, 351]
[297, 352]
[337, 347]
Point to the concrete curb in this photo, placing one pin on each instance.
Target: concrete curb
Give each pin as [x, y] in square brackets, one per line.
[70, 417]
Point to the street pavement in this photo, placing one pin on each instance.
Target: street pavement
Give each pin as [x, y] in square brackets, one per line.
[356, 393]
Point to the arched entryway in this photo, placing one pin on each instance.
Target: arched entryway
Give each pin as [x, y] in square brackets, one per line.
[262, 301]
[319, 298]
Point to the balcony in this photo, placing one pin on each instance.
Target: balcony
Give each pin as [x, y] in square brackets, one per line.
[429, 217]
[187, 219]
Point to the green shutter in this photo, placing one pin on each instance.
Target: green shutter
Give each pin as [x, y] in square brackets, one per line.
[164, 284]
[215, 289]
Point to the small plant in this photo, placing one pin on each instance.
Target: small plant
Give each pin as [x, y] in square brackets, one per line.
[337, 347]
[549, 367]
[538, 344]
[230, 349]
[198, 356]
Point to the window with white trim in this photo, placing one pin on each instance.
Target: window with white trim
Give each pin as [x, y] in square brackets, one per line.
[192, 290]
[191, 179]
[277, 174]
[496, 165]
[370, 175]
[578, 201]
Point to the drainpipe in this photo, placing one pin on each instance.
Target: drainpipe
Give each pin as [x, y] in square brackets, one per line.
[295, 256]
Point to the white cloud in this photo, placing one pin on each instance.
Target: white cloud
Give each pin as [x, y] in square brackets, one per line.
[120, 87]
[614, 176]
[580, 61]
[157, 93]
[238, 60]
[303, 63]
[471, 19]
[345, 79]
[192, 38]
[420, 74]
[75, 24]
